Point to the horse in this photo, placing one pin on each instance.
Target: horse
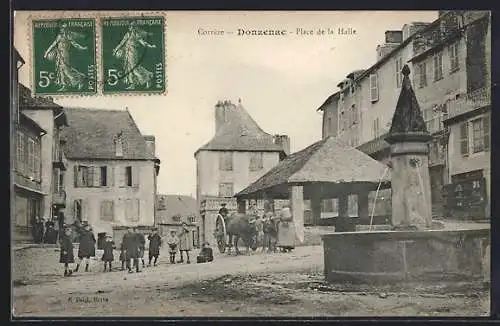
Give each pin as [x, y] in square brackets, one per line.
[241, 226]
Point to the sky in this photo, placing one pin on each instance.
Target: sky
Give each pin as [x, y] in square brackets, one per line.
[281, 81]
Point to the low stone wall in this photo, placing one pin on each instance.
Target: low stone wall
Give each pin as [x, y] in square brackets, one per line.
[313, 234]
[396, 256]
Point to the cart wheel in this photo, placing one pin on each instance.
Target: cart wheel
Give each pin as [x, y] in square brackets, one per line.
[220, 234]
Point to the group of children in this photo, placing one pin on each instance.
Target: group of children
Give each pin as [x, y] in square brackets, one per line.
[132, 249]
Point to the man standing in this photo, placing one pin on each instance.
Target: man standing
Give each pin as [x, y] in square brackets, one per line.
[86, 247]
[223, 211]
[131, 246]
[185, 242]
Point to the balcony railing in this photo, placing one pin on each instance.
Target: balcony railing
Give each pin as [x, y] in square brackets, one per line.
[474, 100]
[59, 198]
[59, 160]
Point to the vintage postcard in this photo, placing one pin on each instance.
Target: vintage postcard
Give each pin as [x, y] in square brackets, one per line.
[251, 164]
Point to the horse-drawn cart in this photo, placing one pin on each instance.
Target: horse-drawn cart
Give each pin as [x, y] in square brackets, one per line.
[230, 230]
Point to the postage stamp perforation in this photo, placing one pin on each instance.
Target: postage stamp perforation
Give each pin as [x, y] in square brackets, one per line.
[97, 17]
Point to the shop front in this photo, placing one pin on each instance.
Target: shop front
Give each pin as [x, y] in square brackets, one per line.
[467, 196]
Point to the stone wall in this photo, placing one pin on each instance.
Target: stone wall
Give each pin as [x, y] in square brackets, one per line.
[396, 256]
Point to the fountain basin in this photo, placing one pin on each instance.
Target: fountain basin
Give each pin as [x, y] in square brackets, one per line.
[399, 256]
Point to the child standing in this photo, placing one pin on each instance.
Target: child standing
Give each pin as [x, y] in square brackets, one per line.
[154, 246]
[123, 257]
[172, 242]
[107, 256]
[67, 257]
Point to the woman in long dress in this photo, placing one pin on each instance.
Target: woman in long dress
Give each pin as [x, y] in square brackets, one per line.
[286, 231]
[128, 50]
[59, 52]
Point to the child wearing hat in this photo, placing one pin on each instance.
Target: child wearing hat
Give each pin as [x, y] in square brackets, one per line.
[173, 242]
[67, 256]
[107, 256]
[154, 246]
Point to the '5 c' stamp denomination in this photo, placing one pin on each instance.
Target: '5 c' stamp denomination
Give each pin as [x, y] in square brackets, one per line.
[133, 54]
[64, 56]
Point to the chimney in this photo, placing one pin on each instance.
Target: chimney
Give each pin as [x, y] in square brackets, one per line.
[393, 37]
[385, 49]
[222, 113]
[151, 144]
[284, 142]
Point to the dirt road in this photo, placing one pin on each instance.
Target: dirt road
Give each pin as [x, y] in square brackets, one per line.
[254, 285]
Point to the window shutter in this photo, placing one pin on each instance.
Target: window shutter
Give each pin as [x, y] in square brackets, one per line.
[486, 132]
[111, 176]
[121, 176]
[97, 176]
[137, 210]
[373, 87]
[464, 138]
[76, 176]
[90, 176]
[85, 209]
[136, 176]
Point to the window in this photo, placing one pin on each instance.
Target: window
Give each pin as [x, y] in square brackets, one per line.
[399, 67]
[464, 139]
[376, 128]
[256, 161]
[226, 161]
[37, 173]
[21, 163]
[478, 135]
[176, 218]
[128, 176]
[132, 210]
[31, 157]
[192, 219]
[373, 88]
[226, 190]
[119, 147]
[104, 176]
[329, 125]
[454, 61]
[352, 88]
[422, 75]
[438, 66]
[107, 210]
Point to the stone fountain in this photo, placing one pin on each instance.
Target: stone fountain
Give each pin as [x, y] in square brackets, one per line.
[417, 248]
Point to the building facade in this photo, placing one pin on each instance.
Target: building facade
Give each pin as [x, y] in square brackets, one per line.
[52, 118]
[173, 210]
[239, 153]
[442, 63]
[112, 170]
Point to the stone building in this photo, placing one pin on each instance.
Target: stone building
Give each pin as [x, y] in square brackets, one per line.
[173, 210]
[438, 55]
[451, 78]
[52, 118]
[112, 170]
[239, 153]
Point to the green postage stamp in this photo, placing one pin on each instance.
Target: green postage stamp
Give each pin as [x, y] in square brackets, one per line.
[133, 54]
[64, 56]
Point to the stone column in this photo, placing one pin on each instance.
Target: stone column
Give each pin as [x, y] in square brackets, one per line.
[343, 205]
[297, 209]
[316, 209]
[411, 189]
[363, 205]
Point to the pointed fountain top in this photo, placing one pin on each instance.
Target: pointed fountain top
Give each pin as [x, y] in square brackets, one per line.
[407, 125]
